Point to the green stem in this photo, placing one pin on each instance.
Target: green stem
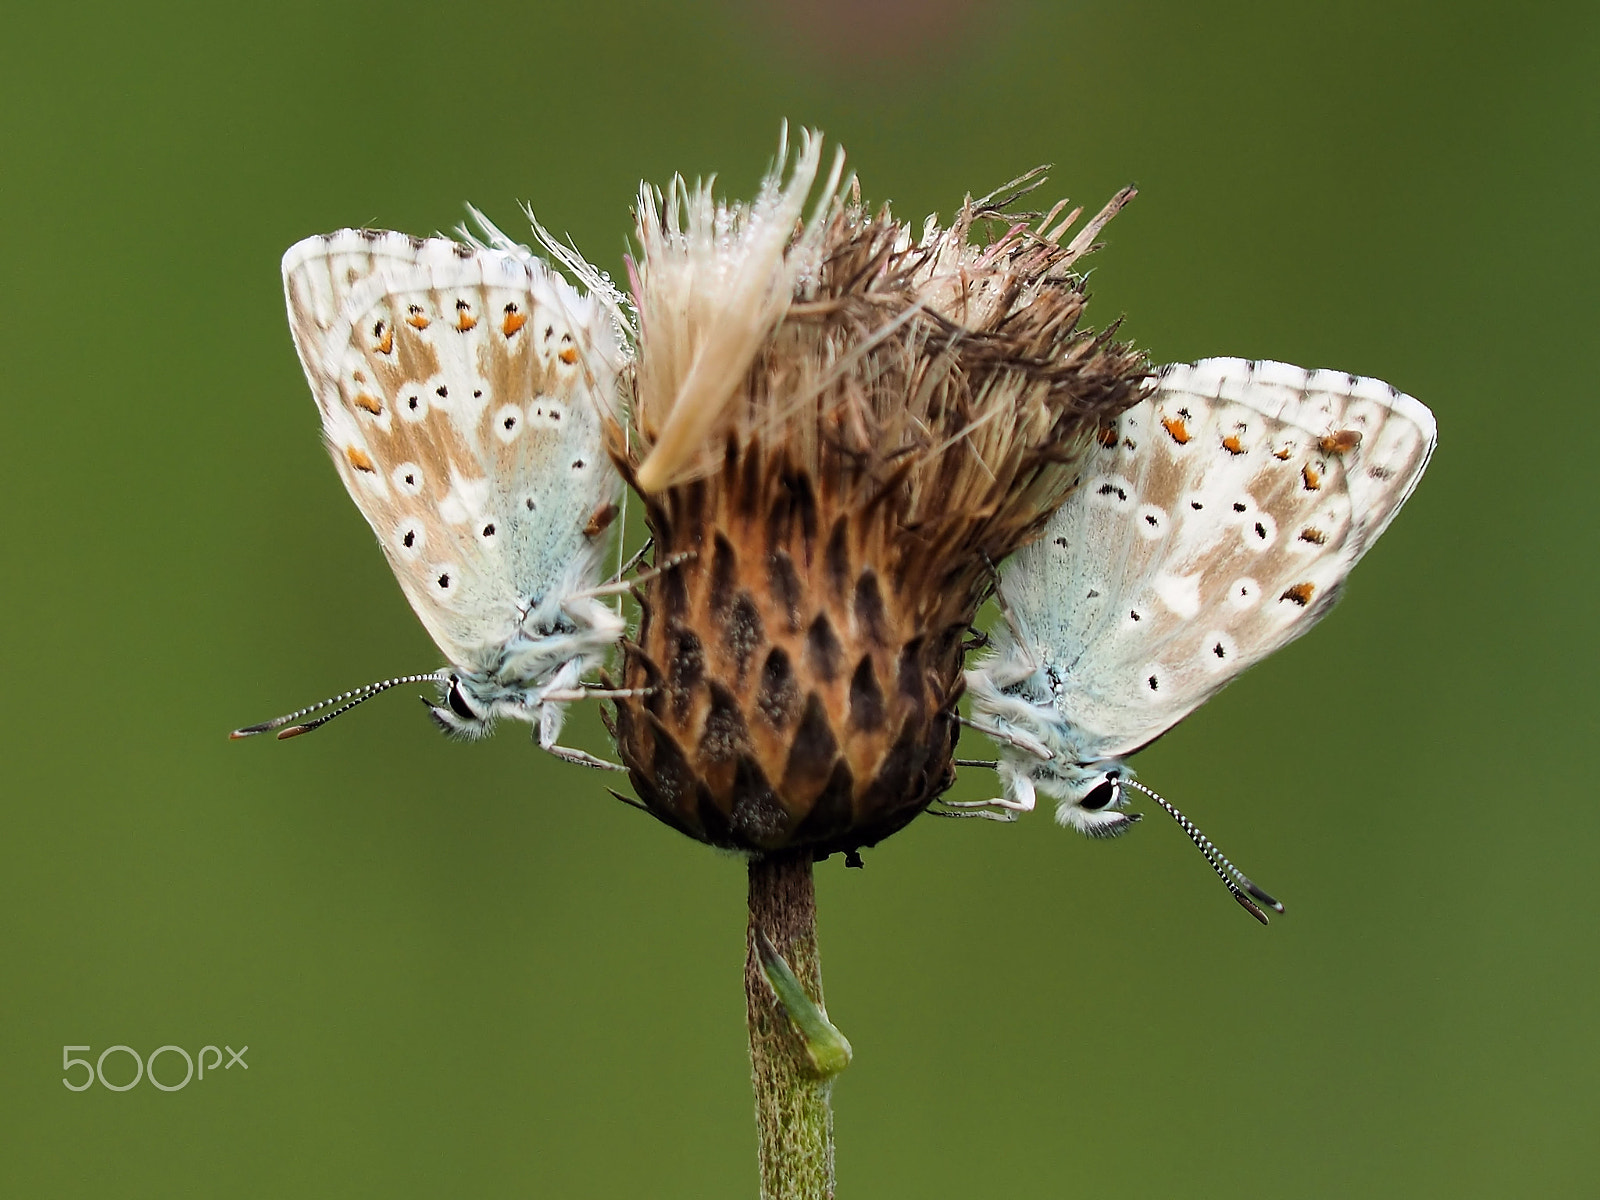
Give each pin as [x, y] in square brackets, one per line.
[794, 1051]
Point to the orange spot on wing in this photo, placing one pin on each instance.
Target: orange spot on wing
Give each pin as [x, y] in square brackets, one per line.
[359, 460]
[1106, 435]
[370, 403]
[513, 322]
[1232, 444]
[1282, 455]
[1176, 427]
[1313, 481]
[418, 319]
[568, 356]
[1315, 536]
[464, 318]
[1300, 593]
[385, 337]
[1341, 441]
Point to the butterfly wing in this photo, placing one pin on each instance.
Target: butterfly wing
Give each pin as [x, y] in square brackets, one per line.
[1213, 524]
[461, 391]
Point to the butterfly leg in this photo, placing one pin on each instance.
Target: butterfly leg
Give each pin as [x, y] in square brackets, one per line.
[550, 729]
[634, 561]
[551, 715]
[1019, 799]
[584, 691]
[1020, 741]
[627, 585]
[581, 757]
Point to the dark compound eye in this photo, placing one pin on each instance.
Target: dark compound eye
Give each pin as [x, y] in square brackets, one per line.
[1100, 796]
[458, 702]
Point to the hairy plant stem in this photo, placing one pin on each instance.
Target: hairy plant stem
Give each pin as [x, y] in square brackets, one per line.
[793, 1115]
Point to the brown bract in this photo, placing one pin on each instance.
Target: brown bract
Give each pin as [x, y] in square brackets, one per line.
[912, 411]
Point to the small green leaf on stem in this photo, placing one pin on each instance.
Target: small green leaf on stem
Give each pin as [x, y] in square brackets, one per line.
[827, 1048]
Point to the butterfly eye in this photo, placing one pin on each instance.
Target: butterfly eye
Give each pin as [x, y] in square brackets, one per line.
[458, 702]
[1100, 795]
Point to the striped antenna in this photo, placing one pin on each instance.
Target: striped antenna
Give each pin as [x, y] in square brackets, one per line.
[345, 701]
[1219, 862]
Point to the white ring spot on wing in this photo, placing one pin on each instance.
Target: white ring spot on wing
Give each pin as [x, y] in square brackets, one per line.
[1244, 593]
[1153, 680]
[1111, 491]
[407, 478]
[507, 422]
[1151, 522]
[413, 402]
[410, 536]
[445, 582]
[1259, 530]
[437, 390]
[1217, 653]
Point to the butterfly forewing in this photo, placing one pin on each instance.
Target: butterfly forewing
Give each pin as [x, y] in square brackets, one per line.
[1214, 523]
[462, 392]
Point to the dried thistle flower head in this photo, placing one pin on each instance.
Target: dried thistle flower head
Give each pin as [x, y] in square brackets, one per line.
[838, 426]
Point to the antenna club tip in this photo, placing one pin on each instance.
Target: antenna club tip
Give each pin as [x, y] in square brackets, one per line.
[293, 731]
[1261, 895]
[1249, 906]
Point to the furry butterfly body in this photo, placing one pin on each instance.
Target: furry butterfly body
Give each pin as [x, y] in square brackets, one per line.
[462, 391]
[1216, 522]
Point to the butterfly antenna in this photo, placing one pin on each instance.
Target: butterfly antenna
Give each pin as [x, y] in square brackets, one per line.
[345, 701]
[1219, 861]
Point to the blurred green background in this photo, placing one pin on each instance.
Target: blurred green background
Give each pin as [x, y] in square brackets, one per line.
[463, 970]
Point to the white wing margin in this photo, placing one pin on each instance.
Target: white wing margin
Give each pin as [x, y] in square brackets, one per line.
[1214, 523]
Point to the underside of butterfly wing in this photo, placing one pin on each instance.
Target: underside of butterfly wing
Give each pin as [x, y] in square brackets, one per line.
[462, 391]
[1216, 522]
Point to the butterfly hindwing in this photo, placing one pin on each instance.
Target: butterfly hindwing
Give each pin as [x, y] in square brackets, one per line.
[462, 392]
[1214, 523]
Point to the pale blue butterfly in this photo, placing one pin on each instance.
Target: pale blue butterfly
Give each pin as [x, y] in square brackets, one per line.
[1214, 523]
[464, 390]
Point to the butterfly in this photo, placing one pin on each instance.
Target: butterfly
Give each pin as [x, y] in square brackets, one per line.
[1214, 522]
[464, 389]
